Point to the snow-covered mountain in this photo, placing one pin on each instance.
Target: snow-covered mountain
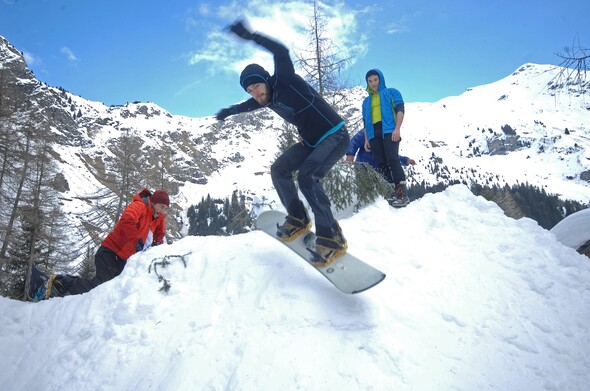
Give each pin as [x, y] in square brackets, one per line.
[523, 128]
[472, 299]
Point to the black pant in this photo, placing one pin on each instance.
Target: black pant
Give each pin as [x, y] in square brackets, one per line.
[312, 165]
[108, 266]
[386, 153]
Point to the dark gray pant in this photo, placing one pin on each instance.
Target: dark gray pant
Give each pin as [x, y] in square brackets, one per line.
[386, 153]
[108, 266]
[312, 165]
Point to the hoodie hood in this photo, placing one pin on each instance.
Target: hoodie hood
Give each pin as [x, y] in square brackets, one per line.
[377, 72]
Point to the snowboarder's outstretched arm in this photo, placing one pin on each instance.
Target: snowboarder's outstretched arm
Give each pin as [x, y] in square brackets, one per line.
[242, 107]
[283, 64]
[284, 68]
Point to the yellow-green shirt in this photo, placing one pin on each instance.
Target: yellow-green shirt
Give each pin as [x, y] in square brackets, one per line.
[375, 107]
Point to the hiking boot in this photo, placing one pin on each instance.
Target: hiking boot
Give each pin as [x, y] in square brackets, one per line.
[400, 197]
[392, 197]
[292, 228]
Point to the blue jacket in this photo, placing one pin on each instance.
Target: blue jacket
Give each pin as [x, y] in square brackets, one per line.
[357, 147]
[390, 98]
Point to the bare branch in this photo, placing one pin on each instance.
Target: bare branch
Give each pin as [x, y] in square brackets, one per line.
[574, 67]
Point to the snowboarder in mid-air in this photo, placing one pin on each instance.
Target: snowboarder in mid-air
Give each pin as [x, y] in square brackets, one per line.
[324, 140]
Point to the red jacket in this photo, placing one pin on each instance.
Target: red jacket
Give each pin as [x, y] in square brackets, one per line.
[136, 222]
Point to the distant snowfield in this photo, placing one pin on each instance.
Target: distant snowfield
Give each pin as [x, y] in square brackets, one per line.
[473, 300]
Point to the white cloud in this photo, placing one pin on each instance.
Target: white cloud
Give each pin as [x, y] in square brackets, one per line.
[402, 24]
[69, 54]
[287, 22]
[30, 58]
[204, 9]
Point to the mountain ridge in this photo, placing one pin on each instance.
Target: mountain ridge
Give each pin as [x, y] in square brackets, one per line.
[524, 120]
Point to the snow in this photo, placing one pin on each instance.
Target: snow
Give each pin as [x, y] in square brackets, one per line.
[473, 300]
[574, 230]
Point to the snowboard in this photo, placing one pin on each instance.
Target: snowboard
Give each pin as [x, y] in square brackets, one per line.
[347, 273]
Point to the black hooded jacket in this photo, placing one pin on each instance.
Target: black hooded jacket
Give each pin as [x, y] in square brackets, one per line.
[292, 97]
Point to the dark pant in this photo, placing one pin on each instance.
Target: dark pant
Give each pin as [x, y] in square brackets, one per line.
[386, 153]
[312, 165]
[108, 266]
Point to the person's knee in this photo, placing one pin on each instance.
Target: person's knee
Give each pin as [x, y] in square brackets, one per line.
[305, 180]
[279, 170]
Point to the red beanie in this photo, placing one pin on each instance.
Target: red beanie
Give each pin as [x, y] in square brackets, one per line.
[160, 197]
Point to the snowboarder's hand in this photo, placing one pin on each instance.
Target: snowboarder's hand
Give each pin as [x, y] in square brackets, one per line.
[240, 30]
[139, 245]
[154, 244]
[223, 114]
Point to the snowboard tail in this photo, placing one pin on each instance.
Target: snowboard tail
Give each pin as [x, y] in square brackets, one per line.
[347, 273]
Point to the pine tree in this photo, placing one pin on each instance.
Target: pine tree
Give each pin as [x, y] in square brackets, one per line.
[287, 136]
[87, 268]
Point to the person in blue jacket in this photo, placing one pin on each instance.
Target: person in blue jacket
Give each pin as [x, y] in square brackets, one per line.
[356, 152]
[324, 140]
[383, 114]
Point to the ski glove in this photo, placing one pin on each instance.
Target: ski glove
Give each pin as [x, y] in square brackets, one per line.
[139, 245]
[224, 113]
[240, 30]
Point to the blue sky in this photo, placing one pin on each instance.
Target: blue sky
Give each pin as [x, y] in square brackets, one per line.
[176, 54]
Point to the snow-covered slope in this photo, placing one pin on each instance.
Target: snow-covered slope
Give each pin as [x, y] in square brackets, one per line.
[465, 305]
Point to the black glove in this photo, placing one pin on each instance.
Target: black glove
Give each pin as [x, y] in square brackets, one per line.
[223, 114]
[154, 244]
[139, 245]
[240, 30]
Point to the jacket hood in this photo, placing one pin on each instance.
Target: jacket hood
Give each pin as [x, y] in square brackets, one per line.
[145, 193]
[382, 85]
[144, 196]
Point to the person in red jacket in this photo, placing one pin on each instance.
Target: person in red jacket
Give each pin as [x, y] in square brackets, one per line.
[142, 225]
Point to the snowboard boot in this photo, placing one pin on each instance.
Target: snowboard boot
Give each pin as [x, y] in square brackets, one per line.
[339, 236]
[55, 287]
[327, 249]
[400, 197]
[292, 228]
